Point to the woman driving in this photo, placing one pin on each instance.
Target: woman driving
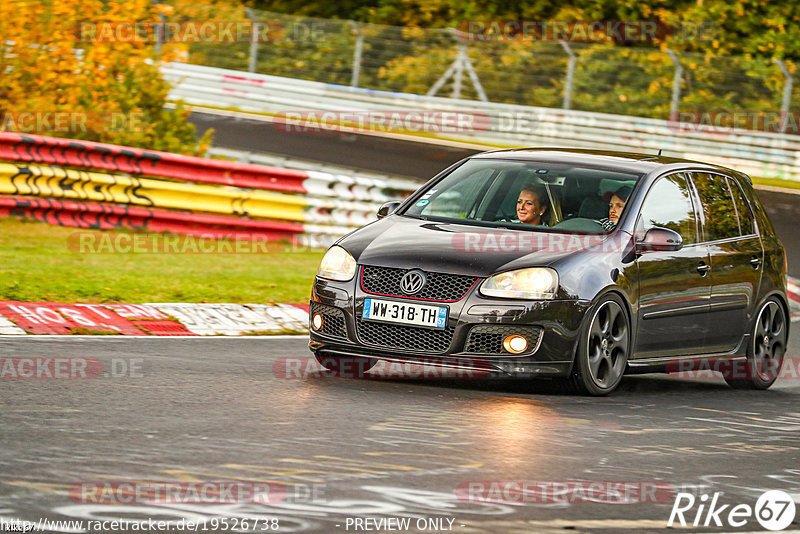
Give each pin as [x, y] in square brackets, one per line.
[532, 204]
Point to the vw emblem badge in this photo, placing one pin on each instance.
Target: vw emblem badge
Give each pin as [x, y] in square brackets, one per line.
[412, 282]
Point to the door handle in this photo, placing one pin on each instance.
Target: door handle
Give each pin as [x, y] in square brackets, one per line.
[755, 261]
[703, 268]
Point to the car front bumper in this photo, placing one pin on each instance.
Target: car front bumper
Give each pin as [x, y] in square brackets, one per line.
[469, 340]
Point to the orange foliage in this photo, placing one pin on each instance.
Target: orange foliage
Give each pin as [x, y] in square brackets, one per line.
[111, 89]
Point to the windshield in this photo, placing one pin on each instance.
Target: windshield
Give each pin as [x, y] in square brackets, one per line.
[528, 195]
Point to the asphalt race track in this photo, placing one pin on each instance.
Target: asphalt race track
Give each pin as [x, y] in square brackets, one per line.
[447, 455]
[210, 410]
[419, 160]
[784, 213]
[379, 154]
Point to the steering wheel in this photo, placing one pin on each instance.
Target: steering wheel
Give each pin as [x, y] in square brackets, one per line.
[580, 224]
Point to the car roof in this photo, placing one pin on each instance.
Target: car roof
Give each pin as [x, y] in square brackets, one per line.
[622, 161]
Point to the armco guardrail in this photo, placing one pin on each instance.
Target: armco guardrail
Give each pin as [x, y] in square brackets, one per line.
[324, 180]
[102, 156]
[353, 190]
[222, 203]
[59, 182]
[104, 216]
[758, 153]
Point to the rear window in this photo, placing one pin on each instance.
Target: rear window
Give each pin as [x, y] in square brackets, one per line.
[725, 210]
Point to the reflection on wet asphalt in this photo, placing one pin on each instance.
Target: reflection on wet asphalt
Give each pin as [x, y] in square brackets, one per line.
[213, 410]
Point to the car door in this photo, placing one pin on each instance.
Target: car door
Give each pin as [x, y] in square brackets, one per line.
[674, 287]
[729, 230]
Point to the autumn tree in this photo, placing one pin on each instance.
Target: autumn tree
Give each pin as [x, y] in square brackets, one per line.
[57, 62]
[715, 27]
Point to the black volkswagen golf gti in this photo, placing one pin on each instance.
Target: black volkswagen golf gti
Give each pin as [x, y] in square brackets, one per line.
[562, 263]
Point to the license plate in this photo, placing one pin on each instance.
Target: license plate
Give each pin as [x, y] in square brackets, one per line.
[404, 313]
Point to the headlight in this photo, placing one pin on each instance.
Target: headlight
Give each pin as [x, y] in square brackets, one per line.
[337, 264]
[532, 283]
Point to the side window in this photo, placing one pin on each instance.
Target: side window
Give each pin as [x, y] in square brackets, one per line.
[746, 218]
[669, 205]
[719, 209]
[458, 200]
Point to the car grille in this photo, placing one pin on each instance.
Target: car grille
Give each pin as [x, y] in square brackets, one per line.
[440, 286]
[488, 339]
[332, 320]
[404, 337]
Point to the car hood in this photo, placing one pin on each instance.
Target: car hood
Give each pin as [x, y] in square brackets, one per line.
[406, 243]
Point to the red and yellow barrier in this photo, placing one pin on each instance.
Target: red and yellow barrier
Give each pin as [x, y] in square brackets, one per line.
[62, 183]
[137, 161]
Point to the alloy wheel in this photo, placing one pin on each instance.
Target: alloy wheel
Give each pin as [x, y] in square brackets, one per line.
[608, 344]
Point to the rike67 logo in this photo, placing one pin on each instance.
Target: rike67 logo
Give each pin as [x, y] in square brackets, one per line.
[774, 510]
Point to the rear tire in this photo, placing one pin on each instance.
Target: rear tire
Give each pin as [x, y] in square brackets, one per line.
[765, 351]
[603, 348]
[346, 366]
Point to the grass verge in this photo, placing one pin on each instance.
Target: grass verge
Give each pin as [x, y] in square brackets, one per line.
[40, 262]
[777, 182]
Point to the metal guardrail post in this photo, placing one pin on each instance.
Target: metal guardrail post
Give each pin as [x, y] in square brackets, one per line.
[251, 64]
[160, 34]
[570, 74]
[787, 92]
[357, 54]
[676, 84]
[160, 28]
[473, 76]
[458, 74]
[456, 70]
[441, 81]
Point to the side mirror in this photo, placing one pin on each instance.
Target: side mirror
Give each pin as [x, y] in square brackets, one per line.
[388, 208]
[660, 240]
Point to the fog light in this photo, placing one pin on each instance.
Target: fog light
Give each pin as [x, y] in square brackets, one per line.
[515, 344]
[316, 321]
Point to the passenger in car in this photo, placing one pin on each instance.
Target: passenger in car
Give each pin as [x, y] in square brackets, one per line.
[616, 203]
[532, 204]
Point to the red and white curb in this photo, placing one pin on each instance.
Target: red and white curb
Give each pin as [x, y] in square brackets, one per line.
[180, 319]
[156, 319]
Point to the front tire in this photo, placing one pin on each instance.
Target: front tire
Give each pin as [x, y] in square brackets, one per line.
[765, 351]
[603, 349]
